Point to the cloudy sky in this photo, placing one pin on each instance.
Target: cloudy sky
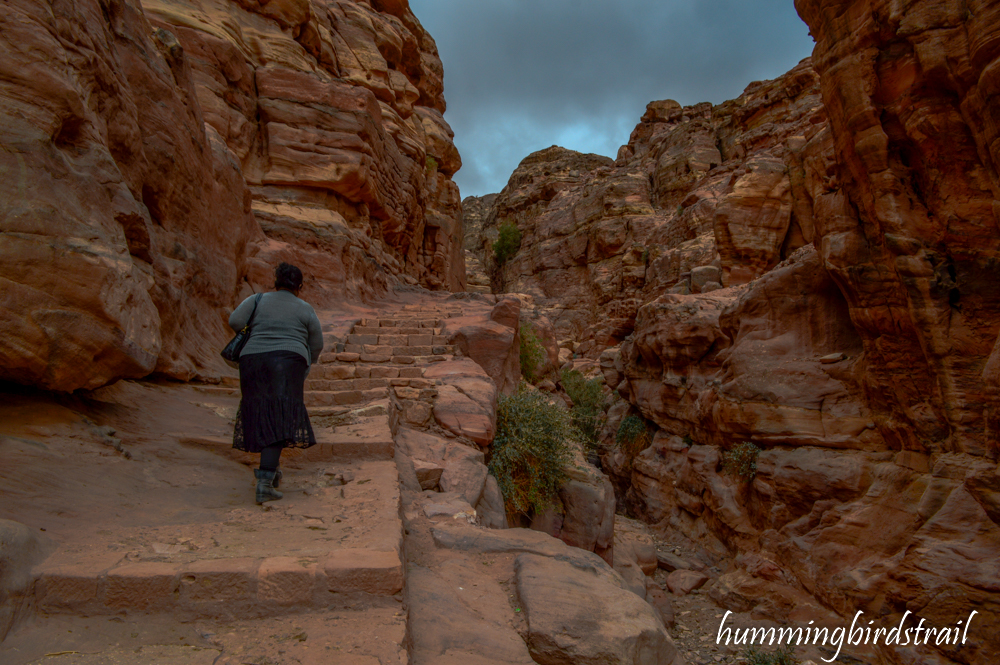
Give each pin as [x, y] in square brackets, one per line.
[521, 75]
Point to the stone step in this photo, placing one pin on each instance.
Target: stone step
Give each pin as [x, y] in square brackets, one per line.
[330, 535]
[321, 385]
[338, 372]
[408, 323]
[393, 339]
[375, 330]
[363, 385]
[426, 311]
[384, 359]
[364, 434]
[406, 350]
[370, 635]
[345, 397]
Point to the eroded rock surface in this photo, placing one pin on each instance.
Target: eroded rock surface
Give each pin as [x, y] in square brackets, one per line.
[861, 364]
[565, 625]
[701, 197]
[161, 158]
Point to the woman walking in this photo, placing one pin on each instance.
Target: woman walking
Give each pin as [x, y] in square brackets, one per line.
[285, 338]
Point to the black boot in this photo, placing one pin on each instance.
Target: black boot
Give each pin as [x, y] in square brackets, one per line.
[265, 486]
[277, 478]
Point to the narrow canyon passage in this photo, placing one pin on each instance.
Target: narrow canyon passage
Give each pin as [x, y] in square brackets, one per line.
[742, 373]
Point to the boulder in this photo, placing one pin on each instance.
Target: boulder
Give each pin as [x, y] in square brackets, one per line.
[583, 513]
[448, 504]
[466, 399]
[491, 341]
[702, 276]
[490, 508]
[428, 473]
[634, 554]
[458, 616]
[576, 615]
[682, 582]
[443, 463]
[464, 473]
[661, 602]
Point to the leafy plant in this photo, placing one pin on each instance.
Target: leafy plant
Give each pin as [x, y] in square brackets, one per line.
[532, 352]
[741, 461]
[431, 164]
[530, 451]
[781, 656]
[589, 403]
[507, 244]
[633, 436]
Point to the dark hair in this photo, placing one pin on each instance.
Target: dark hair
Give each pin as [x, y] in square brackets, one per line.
[287, 276]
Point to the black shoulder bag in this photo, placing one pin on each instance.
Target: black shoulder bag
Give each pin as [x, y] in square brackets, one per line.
[231, 354]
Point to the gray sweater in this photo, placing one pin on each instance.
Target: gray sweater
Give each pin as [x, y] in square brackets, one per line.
[282, 323]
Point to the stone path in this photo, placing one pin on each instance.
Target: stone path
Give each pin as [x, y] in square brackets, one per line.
[158, 554]
[315, 575]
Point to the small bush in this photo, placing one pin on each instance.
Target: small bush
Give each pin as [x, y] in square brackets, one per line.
[530, 450]
[741, 461]
[507, 244]
[633, 436]
[431, 164]
[532, 352]
[589, 404]
[782, 656]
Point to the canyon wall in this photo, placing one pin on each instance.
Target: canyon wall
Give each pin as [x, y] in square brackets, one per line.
[161, 158]
[808, 269]
[701, 197]
[862, 366]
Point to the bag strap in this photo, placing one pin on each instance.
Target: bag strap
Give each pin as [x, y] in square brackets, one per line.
[254, 312]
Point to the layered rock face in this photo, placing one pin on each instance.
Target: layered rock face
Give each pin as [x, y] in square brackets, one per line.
[911, 236]
[334, 110]
[862, 365]
[701, 197]
[162, 158]
[126, 224]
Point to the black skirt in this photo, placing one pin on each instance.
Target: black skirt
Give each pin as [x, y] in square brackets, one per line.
[272, 409]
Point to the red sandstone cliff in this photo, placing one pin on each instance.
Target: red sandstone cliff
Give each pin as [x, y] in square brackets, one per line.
[860, 365]
[158, 158]
[850, 216]
[697, 187]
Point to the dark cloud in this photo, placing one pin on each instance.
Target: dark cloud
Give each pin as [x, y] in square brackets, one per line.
[521, 75]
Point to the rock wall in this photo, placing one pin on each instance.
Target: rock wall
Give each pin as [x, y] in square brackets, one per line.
[700, 197]
[862, 365]
[160, 159]
[807, 268]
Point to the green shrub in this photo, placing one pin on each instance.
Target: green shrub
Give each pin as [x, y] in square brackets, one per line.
[589, 404]
[633, 436]
[741, 461]
[431, 164]
[530, 450]
[532, 352]
[507, 243]
[781, 656]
